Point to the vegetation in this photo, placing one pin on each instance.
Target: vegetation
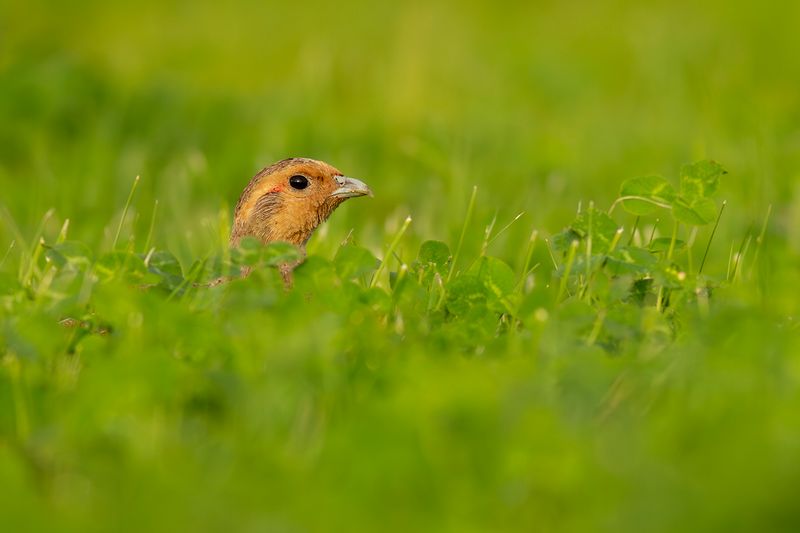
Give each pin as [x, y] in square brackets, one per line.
[526, 328]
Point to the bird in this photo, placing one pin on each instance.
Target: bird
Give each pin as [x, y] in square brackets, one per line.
[288, 200]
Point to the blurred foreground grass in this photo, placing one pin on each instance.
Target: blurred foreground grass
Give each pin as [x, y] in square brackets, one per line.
[489, 399]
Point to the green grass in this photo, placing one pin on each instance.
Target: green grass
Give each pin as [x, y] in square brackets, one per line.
[556, 314]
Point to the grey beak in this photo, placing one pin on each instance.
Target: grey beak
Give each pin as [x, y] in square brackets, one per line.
[350, 187]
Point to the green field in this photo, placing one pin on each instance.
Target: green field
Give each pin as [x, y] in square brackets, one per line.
[534, 354]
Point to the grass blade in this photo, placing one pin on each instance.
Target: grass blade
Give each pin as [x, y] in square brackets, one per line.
[760, 238]
[152, 227]
[528, 257]
[390, 251]
[125, 213]
[711, 238]
[562, 286]
[467, 218]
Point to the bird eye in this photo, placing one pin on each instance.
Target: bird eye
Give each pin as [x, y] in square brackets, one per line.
[298, 182]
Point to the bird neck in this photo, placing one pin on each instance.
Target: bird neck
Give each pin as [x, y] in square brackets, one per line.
[274, 218]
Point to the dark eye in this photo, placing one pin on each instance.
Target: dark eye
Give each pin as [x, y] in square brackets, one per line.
[298, 182]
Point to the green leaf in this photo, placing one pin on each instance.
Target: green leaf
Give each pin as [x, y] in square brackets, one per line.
[55, 257]
[113, 264]
[251, 252]
[278, 253]
[662, 244]
[436, 253]
[377, 299]
[499, 280]
[701, 179]
[433, 260]
[465, 292]
[164, 264]
[694, 211]
[561, 242]
[602, 228]
[630, 260]
[498, 277]
[316, 271]
[652, 190]
[69, 253]
[220, 266]
[353, 261]
[247, 253]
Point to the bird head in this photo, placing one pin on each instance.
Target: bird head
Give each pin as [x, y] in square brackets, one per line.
[289, 199]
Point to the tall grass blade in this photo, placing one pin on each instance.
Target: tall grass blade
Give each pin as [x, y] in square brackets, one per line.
[467, 218]
[390, 251]
[125, 213]
[562, 286]
[152, 227]
[633, 231]
[36, 249]
[528, 257]
[504, 228]
[760, 239]
[653, 233]
[8, 252]
[711, 238]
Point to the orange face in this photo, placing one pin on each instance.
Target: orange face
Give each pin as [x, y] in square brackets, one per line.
[288, 200]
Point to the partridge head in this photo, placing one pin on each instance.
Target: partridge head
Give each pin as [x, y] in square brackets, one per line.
[289, 199]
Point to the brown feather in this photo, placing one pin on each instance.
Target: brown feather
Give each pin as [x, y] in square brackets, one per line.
[270, 210]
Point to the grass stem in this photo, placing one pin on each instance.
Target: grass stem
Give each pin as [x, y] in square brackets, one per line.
[467, 218]
[661, 290]
[760, 239]
[711, 238]
[36, 248]
[496, 235]
[528, 257]
[738, 258]
[152, 227]
[589, 244]
[62, 235]
[562, 286]
[689, 246]
[487, 236]
[673, 241]
[550, 252]
[125, 213]
[390, 251]
[14, 368]
[8, 252]
[653, 233]
[633, 231]
[596, 328]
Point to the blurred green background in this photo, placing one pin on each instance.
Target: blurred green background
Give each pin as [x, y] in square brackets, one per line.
[542, 105]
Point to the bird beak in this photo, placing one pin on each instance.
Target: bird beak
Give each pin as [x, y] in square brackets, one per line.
[350, 187]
